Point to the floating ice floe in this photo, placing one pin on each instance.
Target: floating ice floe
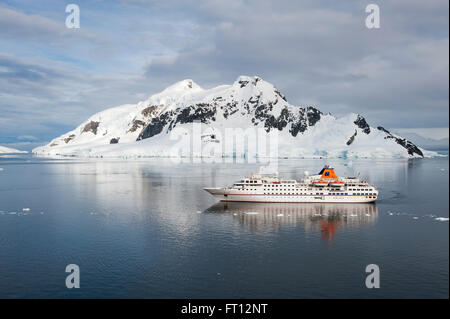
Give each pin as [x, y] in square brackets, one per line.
[415, 217]
[442, 219]
[12, 213]
[252, 213]
[25, 209]
[280, 215]
[1, 169]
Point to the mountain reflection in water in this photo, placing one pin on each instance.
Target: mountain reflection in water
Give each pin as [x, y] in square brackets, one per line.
[326, 218]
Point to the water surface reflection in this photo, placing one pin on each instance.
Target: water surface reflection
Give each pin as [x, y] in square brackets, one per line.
[326, 218]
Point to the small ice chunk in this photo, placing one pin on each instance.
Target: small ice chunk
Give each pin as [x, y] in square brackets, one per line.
[25, 209]
[367, 214]
[353, 215]
[1, 169]
[280, 215]
[415, 217]
[252, 213]
[391, 214]
[442, 219]
[199, 212]
[12, 213]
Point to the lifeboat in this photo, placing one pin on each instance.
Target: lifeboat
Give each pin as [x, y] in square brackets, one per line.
[320, 183]
[337, 183]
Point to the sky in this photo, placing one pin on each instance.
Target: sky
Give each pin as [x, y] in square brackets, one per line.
[316, 52]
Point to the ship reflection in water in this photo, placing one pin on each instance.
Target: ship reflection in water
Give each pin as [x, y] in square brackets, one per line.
[326, 218]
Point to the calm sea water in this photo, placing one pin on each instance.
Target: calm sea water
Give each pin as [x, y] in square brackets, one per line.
[146, 229]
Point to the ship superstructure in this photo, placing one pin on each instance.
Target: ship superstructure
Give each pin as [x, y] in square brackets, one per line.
[323, 187]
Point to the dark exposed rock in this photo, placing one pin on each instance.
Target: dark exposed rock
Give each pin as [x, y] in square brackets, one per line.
[149, 110]
[313, 115]
[202, 112]
[362, 124]
[280, 95]
[155, 126]
[279, 122]
[282, 120]
[262, 114]
[230, 110]
[352, 138]
[306, 117]
[68, 139]
[254, 99]
[136, 124]
[53, 144]
[300, 125]
[114, 140]
[243, 83]
[380, 128]
[409, 146]
[91, 127]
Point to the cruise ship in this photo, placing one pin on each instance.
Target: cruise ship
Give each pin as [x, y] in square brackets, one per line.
[325, 187]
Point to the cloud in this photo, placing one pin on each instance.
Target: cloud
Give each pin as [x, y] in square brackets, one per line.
[315, 52]
[32, 27]
[43, 98]
[326, 54]
[27, 138]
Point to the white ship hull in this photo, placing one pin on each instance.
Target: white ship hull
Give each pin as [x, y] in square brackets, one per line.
[326, 187]
[233, 195]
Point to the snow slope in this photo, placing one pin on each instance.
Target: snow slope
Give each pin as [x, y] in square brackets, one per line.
[163, 125]
[7, 150]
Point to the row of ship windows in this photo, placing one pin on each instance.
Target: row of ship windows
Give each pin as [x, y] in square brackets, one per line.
[290, 186]
[283, 185]
[312, 194]
[300, 193]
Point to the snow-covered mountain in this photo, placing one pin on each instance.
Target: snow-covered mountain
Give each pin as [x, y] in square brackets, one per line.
[425, 142]
[7, 150]
[146, 128]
